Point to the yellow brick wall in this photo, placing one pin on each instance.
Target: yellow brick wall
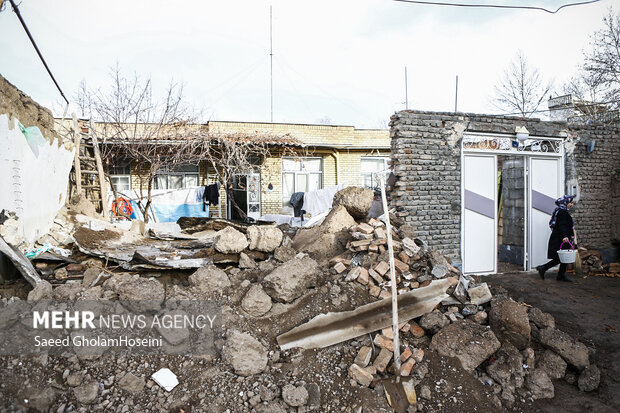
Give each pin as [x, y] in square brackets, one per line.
[271, 172]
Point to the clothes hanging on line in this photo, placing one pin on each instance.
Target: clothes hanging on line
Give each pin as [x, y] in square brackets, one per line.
[211, 195]
[297, 202]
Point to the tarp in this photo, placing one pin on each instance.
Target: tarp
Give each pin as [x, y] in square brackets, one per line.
[168, 205]
[316, 202]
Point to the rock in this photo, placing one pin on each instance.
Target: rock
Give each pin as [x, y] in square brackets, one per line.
[273, 407]
[210, 279]
[314, 394]
[406, 231]
[327, 240]
[75, 379]
[480, 294]
[294, 396]
[434, 321]
[363, 356]
[440, 271]
[361, 375]
[509, 321]
[469, 309]
[90, 275]
[267, 394]
[87, 393]
[230, 241]
[480, 317]
[140, 294]
[542, 320]
[61, 274]
[425, 392]
[131, 383]
[291, 279]
[552, 364]
[574, 352]
[284, 254]
[507, 369]
[41, 291]
[35, 398]
[67, 292]
[355, 199]
[539, 384]
[589, 379]
[469, 342]
[256, 302]
[246, 262]
[244, 353]
[264, 238]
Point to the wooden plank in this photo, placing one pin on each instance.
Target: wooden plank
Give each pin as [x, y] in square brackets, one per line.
[102, 181]
[76, 161]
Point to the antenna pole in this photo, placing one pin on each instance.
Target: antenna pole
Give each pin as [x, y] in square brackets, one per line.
[271, 57]
[456, 94]
[406, 95]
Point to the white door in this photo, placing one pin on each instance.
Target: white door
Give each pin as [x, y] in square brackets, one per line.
[479, 214]
[545, 186]
[254, 195]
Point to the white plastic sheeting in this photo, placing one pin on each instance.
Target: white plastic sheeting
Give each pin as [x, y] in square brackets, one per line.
[33, 186]
[320, 200]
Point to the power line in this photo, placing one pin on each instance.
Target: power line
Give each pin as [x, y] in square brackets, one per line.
[21, 20]
[497, 6]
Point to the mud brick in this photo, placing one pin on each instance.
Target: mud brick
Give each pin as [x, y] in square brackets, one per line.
[380, 233]
[375, 275]
[379, 241]
[363, 276]
[365, 228]
[360, 375]
[376, 223]
[405, 328]
[418, 354]
[382, 268]
[400, 266]
[406, 367]
[75, 268]
[404, 257]
[387, 332]
[405, 354]
[336, 260]
[381, 249]
[425, 283]
[353, 274]
[384, 342]
[340, 267]
[385, 294]
[373, 248]
[382, 360]
[416, 330]
[363, 356]
[361, 243]
[374, 291]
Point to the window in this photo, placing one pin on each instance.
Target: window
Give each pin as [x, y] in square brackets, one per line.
[120, 174]
[184, 176]
[370, 165]
[300, 175]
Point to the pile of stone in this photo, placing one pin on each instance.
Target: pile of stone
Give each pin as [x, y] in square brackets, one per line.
[592, 264]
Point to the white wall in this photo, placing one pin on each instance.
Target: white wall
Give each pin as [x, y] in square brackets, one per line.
[34, 187]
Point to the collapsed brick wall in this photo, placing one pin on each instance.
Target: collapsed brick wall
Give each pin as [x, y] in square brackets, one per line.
[426, 161]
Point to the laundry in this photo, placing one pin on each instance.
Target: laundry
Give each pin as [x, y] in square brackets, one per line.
[316, 202]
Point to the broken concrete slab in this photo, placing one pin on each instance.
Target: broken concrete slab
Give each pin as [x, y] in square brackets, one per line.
[210, 279]
[332, 328]
[264, 238]
[19, 260]
[480, 294]
[256, 302]
[244, 353]
[509, 321]
[291, 279]
[571, 350]
[355, 199]
[229, 240]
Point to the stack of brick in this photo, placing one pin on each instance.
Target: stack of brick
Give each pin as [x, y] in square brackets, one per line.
[592, 264]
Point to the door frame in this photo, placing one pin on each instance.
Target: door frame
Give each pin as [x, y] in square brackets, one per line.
[495, 144]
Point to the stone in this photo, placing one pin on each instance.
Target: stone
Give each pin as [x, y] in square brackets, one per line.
[67, 292]
[230, 241]
[425, 392]
[35, 398]
[384, 342]
[406, 231]
[434, 321]
[137, 293]
[469, 342]
[90, 275]
[265, 238]
[87, 393]
[256, 301]
[363, 356]
[480, 317]
[355, 199]
[552, 364]
[132, 383]
[589, 379]
[383, 359]
[440, 271]
[75, 379]
[284, 254]
[267, 394]
[469, 309]
[277, 406]
[244, 353]
[507, 369]
[360, 375]
[539, 385]
[571, 350]
[509, 321]
[480, 294]
[246, 262]
[294, 396]
[61, 274]
[210, 279]
[542, 320]
[291, 279]
[41, 291]
[314, 394]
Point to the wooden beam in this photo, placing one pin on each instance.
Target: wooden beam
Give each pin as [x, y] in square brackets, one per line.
[102, 181]
[77, 139]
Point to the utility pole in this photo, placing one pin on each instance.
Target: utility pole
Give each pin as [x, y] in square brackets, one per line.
[271, 57]
[456, 94]
[406, 96]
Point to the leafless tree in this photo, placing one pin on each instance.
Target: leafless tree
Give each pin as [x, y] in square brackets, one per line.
[521, 89]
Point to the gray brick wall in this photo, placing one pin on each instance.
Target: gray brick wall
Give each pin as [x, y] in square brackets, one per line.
[426, 162]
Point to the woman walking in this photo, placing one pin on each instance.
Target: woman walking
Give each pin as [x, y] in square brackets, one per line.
[561, 224]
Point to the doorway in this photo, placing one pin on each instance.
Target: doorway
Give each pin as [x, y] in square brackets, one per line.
[246, 193]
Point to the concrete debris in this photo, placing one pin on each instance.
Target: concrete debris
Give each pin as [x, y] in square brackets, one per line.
[539, 385]
[434, 321]
[131, 383]
[244, 353]
[552, 364]
[210, 279]
[291, 279]
[355, 199]
[229, 240]
[571, 350]
[509, 321]
[166, 379]
[540, 319]
[295, 396]
[256, 302]
[480, 294]
[589, 379]
[264, 238]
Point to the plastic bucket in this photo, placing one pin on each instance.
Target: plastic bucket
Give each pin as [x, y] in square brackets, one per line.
[567, 256]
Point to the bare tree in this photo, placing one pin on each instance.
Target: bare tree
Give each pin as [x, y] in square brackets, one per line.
[602, 62]
[521, 89]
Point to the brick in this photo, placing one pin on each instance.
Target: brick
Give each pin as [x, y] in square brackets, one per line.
[353, 274]
[405, 354]
[385, 294]
[384, 342]
[400, 266]
[363, 276]
[404, 257]
[373, 248]
[363, 356]
[418, 354]
[417, 331]
[375, 276]
[406, 367]
[380, 233]
[374, 291]
[365, 228]
[405, 328]
[381, 249]
[360, 375]
[361, 243]
[383, 359]
[382, 268]
[340, 267]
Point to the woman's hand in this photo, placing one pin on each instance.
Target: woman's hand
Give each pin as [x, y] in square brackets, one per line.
[565, 239]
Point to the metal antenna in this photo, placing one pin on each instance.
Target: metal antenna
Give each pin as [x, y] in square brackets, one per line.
[456, 95]
[406, 96]
[271, 57]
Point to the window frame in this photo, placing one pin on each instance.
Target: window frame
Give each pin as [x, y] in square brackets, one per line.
[126, 174]
[374, 185]
[301, 171]
[178, 171]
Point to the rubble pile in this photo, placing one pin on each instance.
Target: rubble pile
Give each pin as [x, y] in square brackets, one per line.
[592, 264]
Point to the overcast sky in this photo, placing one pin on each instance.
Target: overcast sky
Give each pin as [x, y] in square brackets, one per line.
[341, 60]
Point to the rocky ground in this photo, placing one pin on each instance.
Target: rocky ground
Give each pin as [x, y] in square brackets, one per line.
[479, 350]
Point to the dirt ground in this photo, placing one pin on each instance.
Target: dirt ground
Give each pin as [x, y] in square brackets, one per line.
[587, 309]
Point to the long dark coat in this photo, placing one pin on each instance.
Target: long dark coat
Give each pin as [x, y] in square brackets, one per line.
[563, 228]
